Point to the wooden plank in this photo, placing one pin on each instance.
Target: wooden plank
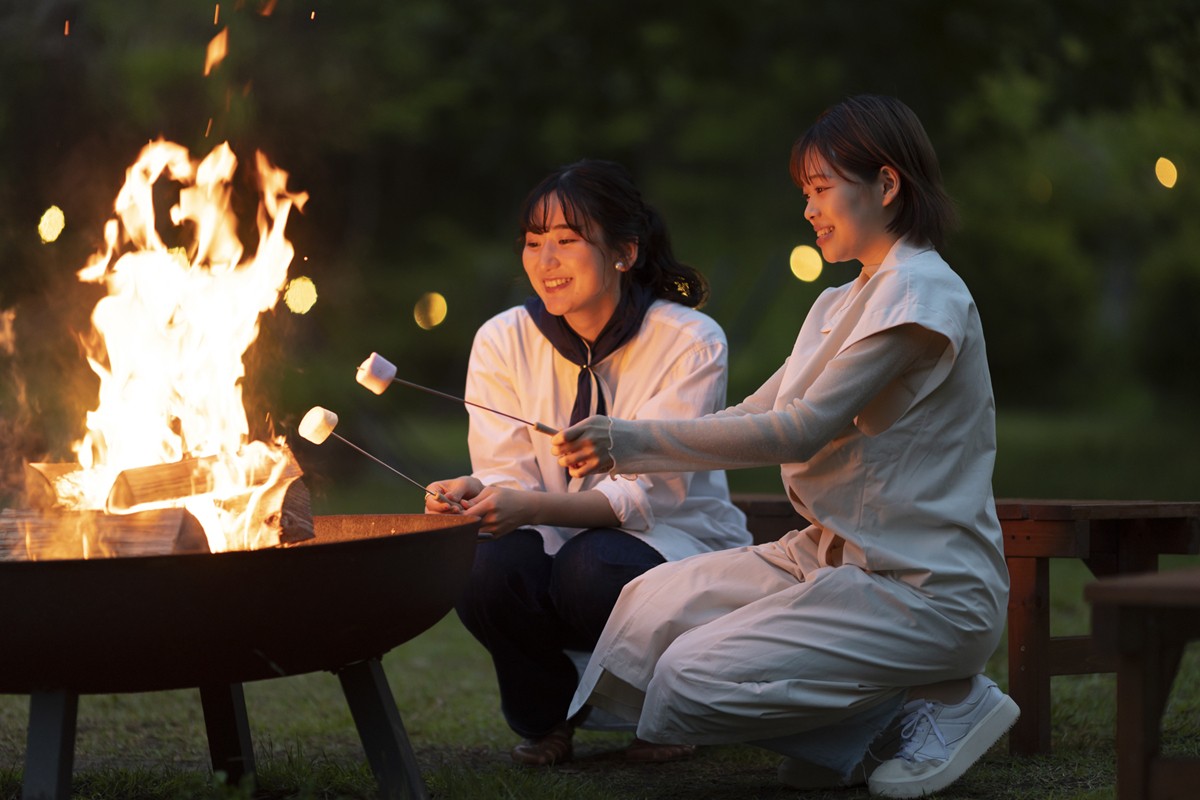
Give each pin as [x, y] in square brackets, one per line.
[1177, 587]
[1077, 655]
[1134, 509]
[39, 534]
[1046, 538]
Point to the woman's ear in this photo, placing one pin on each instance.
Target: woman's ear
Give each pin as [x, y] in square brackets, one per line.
[889, 181]
[629, 254]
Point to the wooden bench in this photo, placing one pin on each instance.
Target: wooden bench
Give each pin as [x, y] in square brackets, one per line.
[1144, 622]
[1110, 537]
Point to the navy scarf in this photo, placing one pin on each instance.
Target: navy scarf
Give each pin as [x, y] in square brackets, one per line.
[625, 322]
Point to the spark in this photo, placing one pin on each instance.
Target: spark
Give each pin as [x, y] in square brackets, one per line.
[217, 49]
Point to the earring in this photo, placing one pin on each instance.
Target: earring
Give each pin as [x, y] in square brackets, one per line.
[620, 266]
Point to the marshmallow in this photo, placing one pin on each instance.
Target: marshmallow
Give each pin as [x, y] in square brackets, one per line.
[376, 373]
[317, 424]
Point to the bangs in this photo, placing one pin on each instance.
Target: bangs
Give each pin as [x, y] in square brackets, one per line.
[540, 207]
[812, 159]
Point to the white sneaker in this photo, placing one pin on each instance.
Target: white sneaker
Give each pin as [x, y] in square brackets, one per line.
[940, 742]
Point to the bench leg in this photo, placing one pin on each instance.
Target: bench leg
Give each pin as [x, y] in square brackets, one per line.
[1028, 656]
[1145, 674]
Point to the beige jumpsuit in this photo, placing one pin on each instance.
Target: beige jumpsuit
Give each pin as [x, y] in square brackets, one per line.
[883, 421]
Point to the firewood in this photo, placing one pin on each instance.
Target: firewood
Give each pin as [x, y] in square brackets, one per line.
[295, 515]
[40, 481]
[161, 483]
[41, 534]
[274, 509]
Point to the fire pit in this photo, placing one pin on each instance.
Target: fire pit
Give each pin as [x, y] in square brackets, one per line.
[338, 602]
[174, 550]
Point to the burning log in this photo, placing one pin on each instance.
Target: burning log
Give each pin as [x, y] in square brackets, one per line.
[142, 486]
[275, 505]
[40, 480]
[40, 534]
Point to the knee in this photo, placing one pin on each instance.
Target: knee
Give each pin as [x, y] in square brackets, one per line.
[508, 567]
[577, 567]
[678, 673]
[596, 564]
[683, 688]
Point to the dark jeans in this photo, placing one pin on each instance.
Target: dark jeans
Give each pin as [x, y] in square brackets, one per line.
[526, 607]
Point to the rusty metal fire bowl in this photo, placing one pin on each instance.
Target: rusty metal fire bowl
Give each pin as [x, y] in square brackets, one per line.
[364, 585]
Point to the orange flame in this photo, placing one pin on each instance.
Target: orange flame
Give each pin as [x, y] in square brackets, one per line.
[169, 337]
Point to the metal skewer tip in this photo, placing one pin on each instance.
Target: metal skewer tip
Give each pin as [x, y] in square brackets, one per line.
[377, 374]
[318, 425]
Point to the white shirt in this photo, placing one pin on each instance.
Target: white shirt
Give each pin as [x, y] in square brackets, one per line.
[674, 367]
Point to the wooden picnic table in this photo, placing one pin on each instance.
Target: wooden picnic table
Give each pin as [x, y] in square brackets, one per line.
[1144, 621]
[1113, 537]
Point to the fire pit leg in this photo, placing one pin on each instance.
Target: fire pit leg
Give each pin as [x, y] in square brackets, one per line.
[50, 746]
[228, 731]
[384, 740]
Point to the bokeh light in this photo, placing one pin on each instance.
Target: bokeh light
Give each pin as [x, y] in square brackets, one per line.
[51, 225]
[300, 295]
[806, 263]
[1165, 171]
[430, 310]
[1040, 187]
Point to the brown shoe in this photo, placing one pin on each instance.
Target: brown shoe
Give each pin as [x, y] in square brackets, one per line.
[546, 751]
[651, 752]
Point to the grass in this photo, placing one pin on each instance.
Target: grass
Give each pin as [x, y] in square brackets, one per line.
[153, 745]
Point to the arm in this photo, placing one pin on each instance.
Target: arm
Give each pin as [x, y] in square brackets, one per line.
[763, 398]
[502, 451]
[675, 377]
[790, 434]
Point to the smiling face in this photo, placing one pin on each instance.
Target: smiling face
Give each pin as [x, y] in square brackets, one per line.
[850, 217]
[575, 278]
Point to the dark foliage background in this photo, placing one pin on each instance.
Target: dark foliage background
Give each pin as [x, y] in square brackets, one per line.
[416, 126]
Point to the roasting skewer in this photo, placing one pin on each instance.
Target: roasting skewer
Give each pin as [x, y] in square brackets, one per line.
[318, 425]
[377, 373]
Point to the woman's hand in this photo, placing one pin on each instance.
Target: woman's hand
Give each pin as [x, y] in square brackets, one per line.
[458, 491]
[586, 447]
[503, 510]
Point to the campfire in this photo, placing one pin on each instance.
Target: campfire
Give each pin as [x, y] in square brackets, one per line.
[166, 464]
[167, 471]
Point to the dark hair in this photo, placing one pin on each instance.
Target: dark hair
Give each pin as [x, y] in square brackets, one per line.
[601, 203]
[860, 135]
